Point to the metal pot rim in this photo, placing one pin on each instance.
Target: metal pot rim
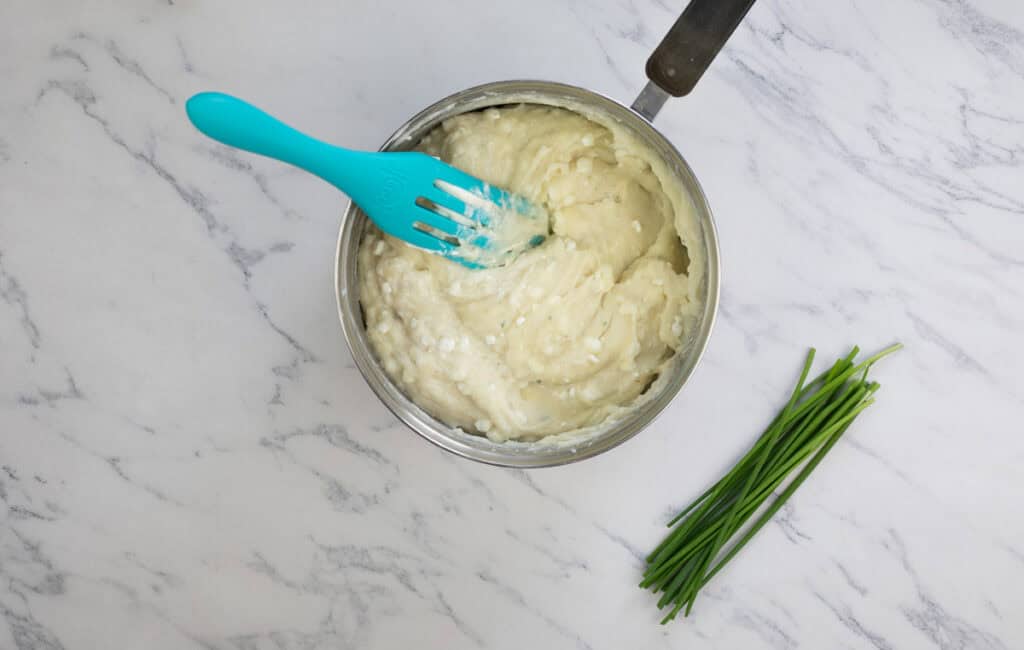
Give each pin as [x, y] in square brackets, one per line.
[517, 454]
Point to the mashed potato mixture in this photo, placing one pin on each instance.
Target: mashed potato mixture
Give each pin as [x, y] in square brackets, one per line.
[569, 334]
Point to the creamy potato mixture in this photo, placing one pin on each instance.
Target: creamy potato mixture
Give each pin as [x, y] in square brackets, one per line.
[567, 335]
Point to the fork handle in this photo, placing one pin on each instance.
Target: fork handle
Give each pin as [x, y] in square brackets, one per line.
[239, 124]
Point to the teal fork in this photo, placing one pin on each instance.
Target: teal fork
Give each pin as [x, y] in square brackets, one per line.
[409, 195]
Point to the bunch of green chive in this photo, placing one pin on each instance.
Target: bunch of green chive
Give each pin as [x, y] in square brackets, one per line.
[810, 424]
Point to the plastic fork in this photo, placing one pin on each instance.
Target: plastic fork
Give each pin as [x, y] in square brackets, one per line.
[409, 195]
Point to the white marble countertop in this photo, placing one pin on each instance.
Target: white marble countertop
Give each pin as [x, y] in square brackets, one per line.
[189, 459]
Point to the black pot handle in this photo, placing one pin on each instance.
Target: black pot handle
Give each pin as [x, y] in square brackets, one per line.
[688, 49]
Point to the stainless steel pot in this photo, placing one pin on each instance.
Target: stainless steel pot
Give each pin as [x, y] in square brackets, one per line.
[674, 68]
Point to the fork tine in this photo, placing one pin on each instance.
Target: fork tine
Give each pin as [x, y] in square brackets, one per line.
[429, 242]
[480, 189]
[450, 202]
[475, 209]
[440, 222]
[470, 264]
[444, 212]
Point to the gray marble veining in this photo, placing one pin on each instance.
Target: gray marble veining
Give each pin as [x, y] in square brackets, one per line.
[189, 459]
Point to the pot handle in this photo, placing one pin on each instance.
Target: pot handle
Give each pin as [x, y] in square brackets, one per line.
[687, 50]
